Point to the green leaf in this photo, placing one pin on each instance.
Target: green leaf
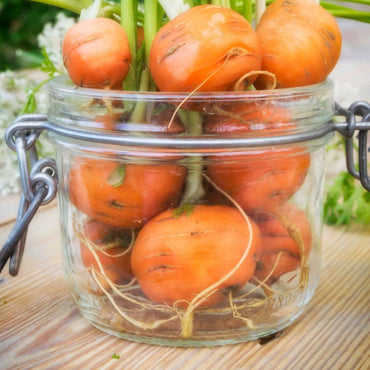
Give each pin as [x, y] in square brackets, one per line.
[346, 202]
[186, 208]
[116, 356]
[116, 178]
[47, 65]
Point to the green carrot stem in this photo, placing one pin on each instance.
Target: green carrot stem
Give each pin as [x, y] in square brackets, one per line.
[138, 114]
[129, 23]
[150, 25]
[233, 5]
[344, 12]
[365, 2]
[73, 5]
[247, 10]
[194, 190]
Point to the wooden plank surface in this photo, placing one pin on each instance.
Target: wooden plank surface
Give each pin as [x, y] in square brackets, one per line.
[40, 327]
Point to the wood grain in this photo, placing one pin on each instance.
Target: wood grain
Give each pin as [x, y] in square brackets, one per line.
[40, 327]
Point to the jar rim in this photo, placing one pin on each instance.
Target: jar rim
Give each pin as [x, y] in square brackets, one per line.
[70, 115]
[62, 84]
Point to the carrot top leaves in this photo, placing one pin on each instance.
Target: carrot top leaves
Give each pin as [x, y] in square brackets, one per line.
[116, 178]
[186, 208]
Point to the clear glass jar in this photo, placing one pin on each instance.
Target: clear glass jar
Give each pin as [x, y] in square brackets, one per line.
[190, 220]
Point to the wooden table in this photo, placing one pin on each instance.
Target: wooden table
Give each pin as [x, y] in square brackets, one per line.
[40, 326]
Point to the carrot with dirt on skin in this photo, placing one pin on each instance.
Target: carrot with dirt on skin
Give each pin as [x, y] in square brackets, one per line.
[300, 43]
[259, 179]
[206, 48]
[195, 255]
[124, 195]
[280, 252]
[247, 118]
[96, 53]
[107, 250]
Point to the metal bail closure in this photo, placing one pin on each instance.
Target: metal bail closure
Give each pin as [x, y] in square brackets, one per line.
[357, 109]
[39, 186]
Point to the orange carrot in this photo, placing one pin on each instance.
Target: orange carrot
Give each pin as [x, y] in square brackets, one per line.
[279, 252]
[207, 48]
[275, 236]
[96, 53]
[253, 118]
[272, 265]
[261, 179]
[105, 247]
[124, 196]
[300, 42]
[176, 257]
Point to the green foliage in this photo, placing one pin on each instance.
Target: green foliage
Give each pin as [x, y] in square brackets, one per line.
[186, 208]
[346, 202]
[21, 21]
[47, 65]
[49, 68]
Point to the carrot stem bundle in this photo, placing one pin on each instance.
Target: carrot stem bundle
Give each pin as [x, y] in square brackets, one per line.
[194, 190]
[129, 23]
[150, 25]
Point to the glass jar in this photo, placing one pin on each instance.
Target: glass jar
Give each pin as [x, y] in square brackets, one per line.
[190, 220]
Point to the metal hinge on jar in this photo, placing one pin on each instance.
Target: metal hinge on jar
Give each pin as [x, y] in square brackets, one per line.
[39, 177]
[348, 129]
[39, 187]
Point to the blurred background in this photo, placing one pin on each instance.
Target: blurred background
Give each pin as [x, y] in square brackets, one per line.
[21, 21]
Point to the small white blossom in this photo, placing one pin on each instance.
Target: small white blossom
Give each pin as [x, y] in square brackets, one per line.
[13, 96]
[51, 38]
[91, 12]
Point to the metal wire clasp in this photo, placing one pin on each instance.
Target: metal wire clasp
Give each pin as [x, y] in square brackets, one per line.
[357, 109]
[39, 186]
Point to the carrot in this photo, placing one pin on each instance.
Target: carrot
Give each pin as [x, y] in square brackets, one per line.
[272, 265]
[124, 196]
[252, 118]
[207, 48]
[276, 237]
[280, 252]
[107, 250]
[300, 42]
[96, 53]
[261, 179]
[176, 257]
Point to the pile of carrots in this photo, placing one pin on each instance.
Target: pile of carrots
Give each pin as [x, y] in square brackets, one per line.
[242, 227]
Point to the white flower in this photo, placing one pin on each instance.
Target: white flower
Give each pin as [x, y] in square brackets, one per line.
[13, 96]
[12, 99]
[51, 38]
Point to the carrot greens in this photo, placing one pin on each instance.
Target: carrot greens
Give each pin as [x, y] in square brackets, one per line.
[129, 23]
